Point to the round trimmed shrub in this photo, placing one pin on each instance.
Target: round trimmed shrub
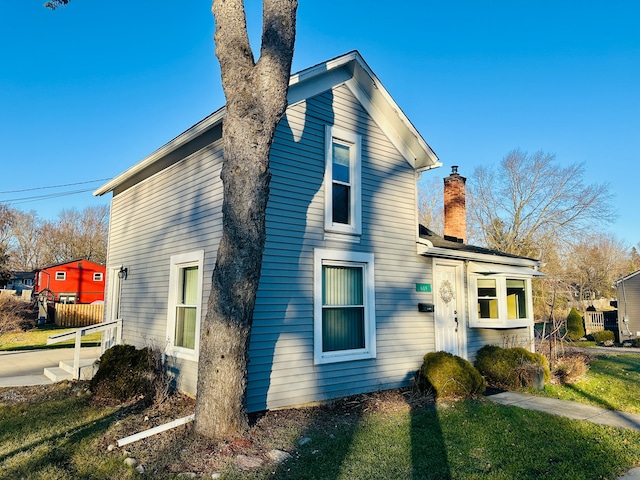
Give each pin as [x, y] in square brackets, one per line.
[449, 376]
[603, 336]
[575, 327]
[511, 368]
[124, 373]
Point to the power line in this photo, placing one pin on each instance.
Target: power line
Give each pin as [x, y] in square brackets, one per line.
[36, 198]
[56, 186]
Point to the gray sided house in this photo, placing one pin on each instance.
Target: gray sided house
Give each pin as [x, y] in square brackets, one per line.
[351, 294]
[628, 293]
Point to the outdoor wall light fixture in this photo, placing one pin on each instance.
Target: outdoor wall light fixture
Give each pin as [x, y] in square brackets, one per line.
[122, 274]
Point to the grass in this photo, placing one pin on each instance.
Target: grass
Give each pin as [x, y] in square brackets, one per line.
[59, 434]
[36, 338]
[613, 382]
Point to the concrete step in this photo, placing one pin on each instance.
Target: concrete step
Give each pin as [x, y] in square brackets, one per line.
[64, 370]
[56, 374]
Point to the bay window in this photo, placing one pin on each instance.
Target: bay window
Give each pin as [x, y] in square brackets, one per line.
[500, 301]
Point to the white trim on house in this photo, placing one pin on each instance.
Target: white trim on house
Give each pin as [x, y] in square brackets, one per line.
[354, 143]
[349, 69]
[341, 257]
[177, 263]
[493, 269]
[426, 248]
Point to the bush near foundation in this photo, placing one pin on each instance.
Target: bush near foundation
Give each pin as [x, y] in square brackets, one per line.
[603, 336]
[449, 376]
[511, 368]
[124, 373]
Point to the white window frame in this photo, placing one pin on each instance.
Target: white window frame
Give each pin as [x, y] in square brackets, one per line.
[97, 276]
[503, 320]
[178, 262]
[63, 276]
[353, 140]
[345, 258]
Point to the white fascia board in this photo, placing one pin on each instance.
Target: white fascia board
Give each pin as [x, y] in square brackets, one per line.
[368, 89]
[493, 269]
[167, 148]
[351, 69]
[478, 257]
[624, 279]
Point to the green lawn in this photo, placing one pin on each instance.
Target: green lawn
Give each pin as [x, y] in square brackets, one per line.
[37, 338]
[61, 435]
[466, 440]
[613, 382]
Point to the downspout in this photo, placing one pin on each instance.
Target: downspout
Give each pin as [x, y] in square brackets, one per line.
[625, 319]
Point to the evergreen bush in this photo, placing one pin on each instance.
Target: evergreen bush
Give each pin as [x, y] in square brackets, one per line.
[124, 373]
[511, 368]
[603, 336]
[449, 376]
[575, 326]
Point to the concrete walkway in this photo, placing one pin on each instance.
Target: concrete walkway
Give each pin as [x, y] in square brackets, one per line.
[26, 367]
[574, 410]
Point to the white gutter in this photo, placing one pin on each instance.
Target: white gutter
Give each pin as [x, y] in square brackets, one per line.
[426, 248]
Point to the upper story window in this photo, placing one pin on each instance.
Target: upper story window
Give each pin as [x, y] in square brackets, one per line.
[61, 275]
[500, 301]
[97, 277]
[342, 182]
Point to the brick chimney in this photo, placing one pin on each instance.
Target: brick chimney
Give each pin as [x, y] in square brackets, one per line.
[455, 211]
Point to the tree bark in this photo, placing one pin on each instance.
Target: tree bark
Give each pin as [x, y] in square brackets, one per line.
[256, 96]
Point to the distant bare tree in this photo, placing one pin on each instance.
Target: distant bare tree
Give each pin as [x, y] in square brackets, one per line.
[6, 221]
[77, 234]
[634, 259]
[594, 263]
[430, 205]
[526, 200]
[27, 243]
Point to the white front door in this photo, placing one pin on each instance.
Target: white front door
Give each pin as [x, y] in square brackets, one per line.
[449, 301]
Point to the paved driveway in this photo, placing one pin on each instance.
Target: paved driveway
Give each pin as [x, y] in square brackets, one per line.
[26, 367]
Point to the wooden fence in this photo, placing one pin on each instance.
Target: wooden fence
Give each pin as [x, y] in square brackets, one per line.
[593, 322]
[78, 315]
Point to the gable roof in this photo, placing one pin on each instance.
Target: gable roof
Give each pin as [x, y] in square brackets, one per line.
[77, 260]
[628, 277]
[349, 69]
[433, 245]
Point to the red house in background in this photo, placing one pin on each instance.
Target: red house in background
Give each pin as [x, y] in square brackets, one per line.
[78, 281]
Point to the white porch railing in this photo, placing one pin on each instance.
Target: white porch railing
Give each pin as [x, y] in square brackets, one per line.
[80, 332]
[593, 322]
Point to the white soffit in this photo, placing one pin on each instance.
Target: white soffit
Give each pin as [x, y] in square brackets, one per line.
[349, 69]
[495, 269]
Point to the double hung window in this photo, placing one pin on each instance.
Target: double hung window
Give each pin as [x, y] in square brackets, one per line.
[344, 306]
[185, 299]
[342, 180]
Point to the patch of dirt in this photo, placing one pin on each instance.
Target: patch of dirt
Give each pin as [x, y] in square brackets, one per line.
[179, 450]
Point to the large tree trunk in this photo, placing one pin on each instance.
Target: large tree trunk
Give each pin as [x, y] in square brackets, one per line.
[256, 95]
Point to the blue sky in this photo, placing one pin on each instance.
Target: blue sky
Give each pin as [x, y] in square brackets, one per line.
[92, 88]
